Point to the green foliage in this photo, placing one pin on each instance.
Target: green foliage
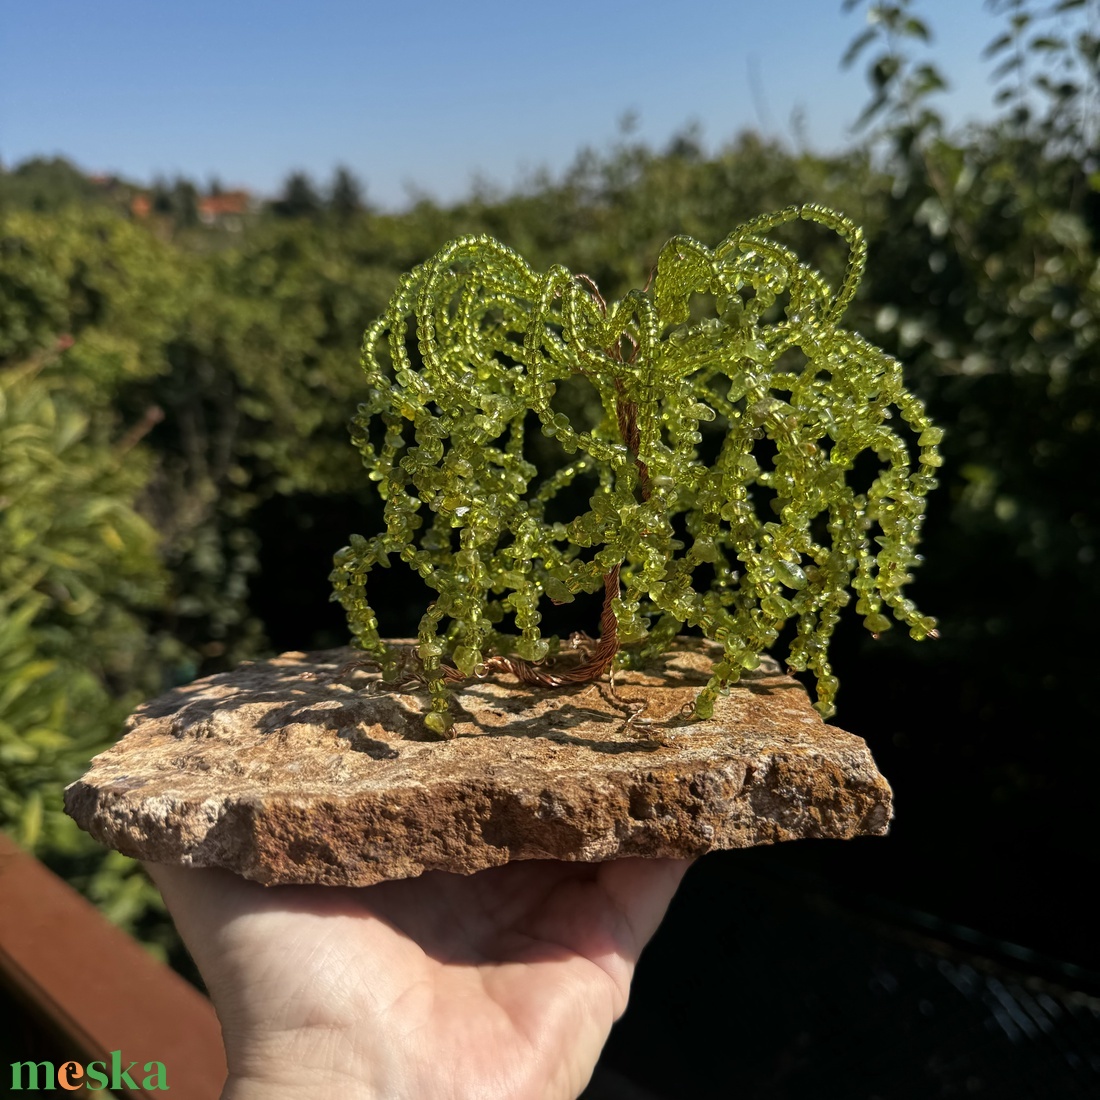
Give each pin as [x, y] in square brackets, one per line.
[772, 520]
[346, 195]
[299, 199]
[178, 201]
[77, 567]
[47, 184]
[901, 85]
[998, 324]
[97, 277]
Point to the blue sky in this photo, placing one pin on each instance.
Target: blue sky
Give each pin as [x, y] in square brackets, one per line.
[430, 95]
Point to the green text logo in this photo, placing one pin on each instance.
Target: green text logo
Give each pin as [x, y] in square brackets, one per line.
[95, 1076]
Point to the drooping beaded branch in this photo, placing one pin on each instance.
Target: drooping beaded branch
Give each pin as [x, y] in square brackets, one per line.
[474, 341]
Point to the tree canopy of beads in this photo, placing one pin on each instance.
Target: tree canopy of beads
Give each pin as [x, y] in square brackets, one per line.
[722, 459]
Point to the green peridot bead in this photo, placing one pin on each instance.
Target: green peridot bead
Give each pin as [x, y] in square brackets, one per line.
[705, 550]
[466, 659]
[777, 606]
[789, 574]
[557, 590]
[439, 722]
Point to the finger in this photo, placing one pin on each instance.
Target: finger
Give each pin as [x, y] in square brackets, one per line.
[641, 890]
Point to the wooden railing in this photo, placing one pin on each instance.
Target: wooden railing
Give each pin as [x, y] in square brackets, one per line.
[91, 989]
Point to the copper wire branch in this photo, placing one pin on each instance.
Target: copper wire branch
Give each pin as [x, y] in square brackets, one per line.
[592, 669]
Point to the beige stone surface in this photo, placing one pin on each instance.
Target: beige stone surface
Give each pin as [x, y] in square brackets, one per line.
[296, 770]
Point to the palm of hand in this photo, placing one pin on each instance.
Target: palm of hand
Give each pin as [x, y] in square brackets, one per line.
[504, 983]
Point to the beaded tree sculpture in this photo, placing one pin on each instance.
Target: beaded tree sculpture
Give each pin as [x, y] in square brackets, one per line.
[466, 363]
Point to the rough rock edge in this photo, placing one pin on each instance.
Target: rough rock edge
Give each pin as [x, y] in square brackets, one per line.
[192, 784]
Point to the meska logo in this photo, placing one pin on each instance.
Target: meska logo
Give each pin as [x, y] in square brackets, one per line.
[96, 1076]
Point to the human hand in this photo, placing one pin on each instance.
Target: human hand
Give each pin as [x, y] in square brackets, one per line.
[501, 984]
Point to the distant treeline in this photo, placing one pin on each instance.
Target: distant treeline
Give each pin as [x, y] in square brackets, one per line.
[175, 472]
[48, 184]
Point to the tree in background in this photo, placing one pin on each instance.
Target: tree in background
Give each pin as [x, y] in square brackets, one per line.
[1000, 319]
[185, 203]
[160, 196]
[345, 195]
[299, 199]
[983, 281]
[48, 184]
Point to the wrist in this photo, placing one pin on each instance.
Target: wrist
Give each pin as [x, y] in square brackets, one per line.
[295, 1066]
[295, 1084]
